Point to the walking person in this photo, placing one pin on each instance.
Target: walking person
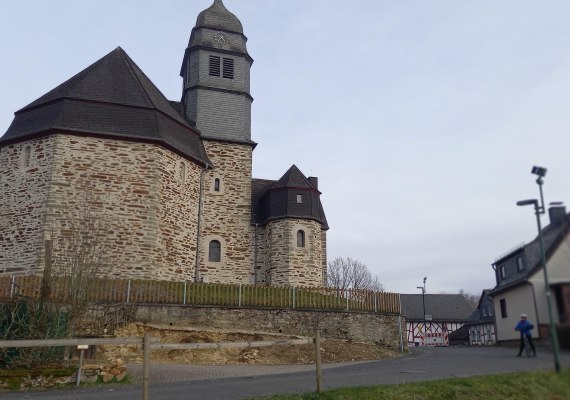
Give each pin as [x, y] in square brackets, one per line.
[524, 326]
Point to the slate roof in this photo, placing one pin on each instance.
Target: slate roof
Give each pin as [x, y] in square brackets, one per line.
[442, 307]
[553, 235]
[217, 16]
[273, 200]
[111, 98]
[477, 316]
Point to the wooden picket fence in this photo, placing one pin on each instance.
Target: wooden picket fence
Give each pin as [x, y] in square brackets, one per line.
[210, 294]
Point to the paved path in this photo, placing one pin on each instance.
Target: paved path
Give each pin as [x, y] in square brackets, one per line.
[187, 373]
[237, 382]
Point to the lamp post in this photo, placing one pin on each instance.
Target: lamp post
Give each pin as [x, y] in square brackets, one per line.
[423, 289]
[539, 210]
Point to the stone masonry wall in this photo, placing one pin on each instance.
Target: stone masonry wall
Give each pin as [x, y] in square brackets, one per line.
[288, 264]
[144, 196]
[324, 256]
[24, 178]
[360, 327]
[227, 214]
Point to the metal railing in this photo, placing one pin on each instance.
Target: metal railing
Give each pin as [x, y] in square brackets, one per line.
[210, 294]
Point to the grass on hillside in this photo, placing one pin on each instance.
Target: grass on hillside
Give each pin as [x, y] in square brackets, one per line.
[517, 386]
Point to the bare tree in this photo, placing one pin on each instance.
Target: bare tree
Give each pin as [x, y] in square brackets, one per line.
[81, 253]
[347, 273]
[472, 299]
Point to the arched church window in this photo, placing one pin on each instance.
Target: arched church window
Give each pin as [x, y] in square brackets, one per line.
[215, 251]
[300, 238]
[217, 185]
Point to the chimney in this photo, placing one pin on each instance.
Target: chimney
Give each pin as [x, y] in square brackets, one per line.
[314, 181]
[557, 213]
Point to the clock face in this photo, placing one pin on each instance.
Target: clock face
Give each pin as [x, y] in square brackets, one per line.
[220, 38]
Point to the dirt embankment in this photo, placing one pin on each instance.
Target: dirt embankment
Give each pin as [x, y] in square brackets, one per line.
[331, 350]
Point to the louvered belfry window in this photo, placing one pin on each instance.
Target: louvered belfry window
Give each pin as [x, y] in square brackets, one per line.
[228, 68]
[214, 66]
[222, 67]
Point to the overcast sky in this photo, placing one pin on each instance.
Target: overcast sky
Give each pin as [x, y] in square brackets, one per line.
[421, 118]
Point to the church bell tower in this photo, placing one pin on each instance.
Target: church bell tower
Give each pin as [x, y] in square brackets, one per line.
[216, 73]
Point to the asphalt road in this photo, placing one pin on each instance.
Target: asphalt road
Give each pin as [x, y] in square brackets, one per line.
[418, 365]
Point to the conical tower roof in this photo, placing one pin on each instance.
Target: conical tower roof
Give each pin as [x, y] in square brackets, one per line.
[293, 178]
[293, 196]
[111, 97]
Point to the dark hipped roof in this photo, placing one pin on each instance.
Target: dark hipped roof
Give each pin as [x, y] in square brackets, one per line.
[442, 307]
[111, 97]
[553, 235]
[273, 200]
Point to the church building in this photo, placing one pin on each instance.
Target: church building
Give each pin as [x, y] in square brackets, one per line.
[171, 181]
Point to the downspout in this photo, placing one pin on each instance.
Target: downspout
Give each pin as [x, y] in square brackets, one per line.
[199, 224]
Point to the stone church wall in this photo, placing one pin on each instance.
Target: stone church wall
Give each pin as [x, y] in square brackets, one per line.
[144, 196]
[288, 264]
[227, 214]
[24, 178]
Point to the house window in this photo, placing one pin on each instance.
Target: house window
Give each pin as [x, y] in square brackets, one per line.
[502, 271]
[228, 71]
[520, 265]
[490, 311]
[217, 185]
[484, 311]
[27, 156]
[299, 198]
[503, 308]
[214, 251]
[214, 66]
[300, 238]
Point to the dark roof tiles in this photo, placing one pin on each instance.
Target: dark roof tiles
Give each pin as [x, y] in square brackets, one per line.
[272, 200]
[553, 234]
[113, 98]
[442, 307]
[217, 16]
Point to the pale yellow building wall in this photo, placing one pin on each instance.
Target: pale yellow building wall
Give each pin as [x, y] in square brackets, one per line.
[558, 272]
[519, 301]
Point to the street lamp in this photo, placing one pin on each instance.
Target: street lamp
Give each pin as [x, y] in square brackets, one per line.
[423, 288]
[539, 210]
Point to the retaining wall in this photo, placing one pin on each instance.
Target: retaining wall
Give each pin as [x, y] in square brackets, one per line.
[359, 327]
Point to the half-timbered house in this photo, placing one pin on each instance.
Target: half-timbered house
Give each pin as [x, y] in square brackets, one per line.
[444, 313]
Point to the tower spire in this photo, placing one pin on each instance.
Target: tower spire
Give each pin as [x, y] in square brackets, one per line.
[216, 70]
